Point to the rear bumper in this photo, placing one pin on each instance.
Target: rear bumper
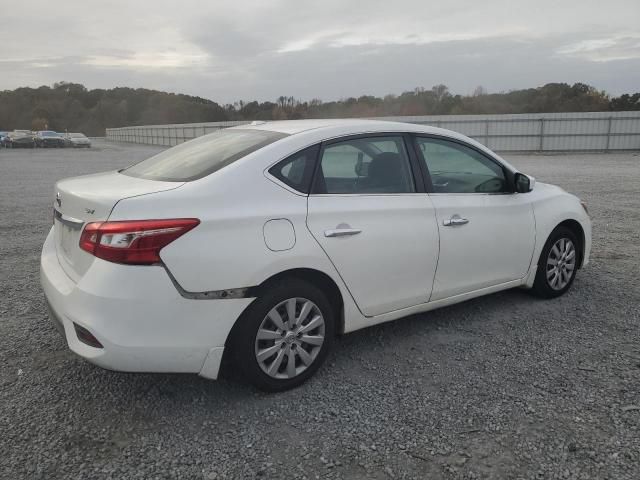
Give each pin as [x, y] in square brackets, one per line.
[138, 316]
[50, 143]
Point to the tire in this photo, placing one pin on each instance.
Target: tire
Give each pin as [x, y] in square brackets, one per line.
[558, 264]
[275, 370]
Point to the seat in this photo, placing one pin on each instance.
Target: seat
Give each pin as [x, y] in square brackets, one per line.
[385, 175]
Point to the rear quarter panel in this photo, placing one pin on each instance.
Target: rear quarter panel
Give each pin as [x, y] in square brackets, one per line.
[228, 249]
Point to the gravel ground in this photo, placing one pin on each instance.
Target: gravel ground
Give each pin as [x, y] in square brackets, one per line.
[505, 386]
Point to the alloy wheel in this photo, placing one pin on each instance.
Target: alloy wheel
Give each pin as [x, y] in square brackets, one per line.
[561, 262]
[290, 338]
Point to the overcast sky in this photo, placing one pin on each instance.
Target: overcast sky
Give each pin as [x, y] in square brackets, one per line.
[326, 49]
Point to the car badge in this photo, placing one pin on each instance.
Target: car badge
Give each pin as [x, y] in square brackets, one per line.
[90, 211]
[59, 199]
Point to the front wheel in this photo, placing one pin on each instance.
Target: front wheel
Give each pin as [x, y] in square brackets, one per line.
[558, 264]
[284, 336]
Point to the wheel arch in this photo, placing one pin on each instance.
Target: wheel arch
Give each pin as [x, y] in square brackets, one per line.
[578, 231]
[315, 277]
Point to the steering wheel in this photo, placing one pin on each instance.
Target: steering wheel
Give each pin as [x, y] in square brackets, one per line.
[492, 185]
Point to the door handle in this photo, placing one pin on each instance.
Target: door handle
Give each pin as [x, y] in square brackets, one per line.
[341, 232]
[455, 220]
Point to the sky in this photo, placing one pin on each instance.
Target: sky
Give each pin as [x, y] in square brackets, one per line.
[329, 49]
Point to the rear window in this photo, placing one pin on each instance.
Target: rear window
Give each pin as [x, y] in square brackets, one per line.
[202, 156]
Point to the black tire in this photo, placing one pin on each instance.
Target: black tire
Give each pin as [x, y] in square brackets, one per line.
[542, 286]
[242, 343]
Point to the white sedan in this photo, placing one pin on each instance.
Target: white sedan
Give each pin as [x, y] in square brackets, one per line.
[256, 245]
[77, 140]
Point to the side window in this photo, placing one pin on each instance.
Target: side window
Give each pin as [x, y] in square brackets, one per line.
[365, 166]
[455, 168]
[297, 170]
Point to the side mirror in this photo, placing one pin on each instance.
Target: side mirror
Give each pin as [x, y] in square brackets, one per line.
[524, 183]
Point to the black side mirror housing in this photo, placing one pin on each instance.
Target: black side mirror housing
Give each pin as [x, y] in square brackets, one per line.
[523, 183]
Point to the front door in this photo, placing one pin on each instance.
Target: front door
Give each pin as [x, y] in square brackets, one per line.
[380, 233]
[487, 233]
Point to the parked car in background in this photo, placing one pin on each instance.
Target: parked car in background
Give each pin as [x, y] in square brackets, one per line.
[259, 243]
[66, 139]
[77, 140]
[2, 137]
[19, 139]
[48, 138]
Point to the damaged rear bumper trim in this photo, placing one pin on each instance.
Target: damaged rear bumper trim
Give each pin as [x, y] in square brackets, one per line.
[227, 294]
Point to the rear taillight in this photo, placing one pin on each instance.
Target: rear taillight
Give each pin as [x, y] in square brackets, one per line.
[136, 242]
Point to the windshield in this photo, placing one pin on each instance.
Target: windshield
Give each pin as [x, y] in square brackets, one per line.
[202, 156]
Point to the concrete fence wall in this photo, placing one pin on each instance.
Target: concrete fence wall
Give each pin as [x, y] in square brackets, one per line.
[541, 132]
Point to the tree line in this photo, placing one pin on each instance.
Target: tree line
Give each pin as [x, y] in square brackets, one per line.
[72, 107]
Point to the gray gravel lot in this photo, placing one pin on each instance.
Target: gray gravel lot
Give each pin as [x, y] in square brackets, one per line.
[505, 386]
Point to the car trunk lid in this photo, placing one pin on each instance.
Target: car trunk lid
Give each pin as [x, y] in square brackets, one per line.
[87, 199]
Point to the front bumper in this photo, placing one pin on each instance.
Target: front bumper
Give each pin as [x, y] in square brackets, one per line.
[50, 143]
[138, 316]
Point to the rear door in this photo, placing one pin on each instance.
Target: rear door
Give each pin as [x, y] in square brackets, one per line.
[487, 232]
[374, 221]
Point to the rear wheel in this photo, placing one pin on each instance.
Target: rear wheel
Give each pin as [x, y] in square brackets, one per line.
[284, 336]
[558, 264]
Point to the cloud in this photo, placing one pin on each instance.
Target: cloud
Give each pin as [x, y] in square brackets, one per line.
[604, 49]
[331, 49]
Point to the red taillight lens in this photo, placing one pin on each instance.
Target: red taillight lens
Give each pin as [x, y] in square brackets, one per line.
[136, 242]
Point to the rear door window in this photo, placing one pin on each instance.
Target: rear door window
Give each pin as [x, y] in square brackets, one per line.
[365, 165]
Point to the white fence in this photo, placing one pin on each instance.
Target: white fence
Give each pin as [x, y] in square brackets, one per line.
[535, 132]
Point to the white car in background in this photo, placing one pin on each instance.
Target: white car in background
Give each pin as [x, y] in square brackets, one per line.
[77, 140]
[258, 244]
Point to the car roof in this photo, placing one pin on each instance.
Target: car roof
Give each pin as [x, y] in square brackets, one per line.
[351, 125]
[322, 129]
[334, 127]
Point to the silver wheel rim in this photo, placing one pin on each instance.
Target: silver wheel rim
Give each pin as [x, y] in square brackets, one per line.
[561, 262]
[290, 338]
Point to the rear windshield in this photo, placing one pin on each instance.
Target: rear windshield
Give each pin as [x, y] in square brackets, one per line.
[202, 156]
